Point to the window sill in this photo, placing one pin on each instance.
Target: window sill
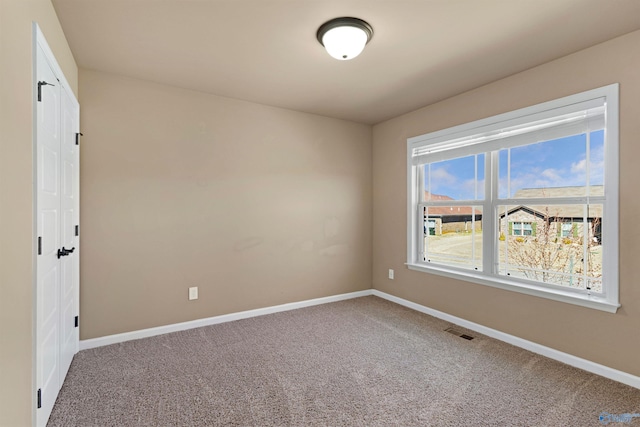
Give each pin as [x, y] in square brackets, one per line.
[588, 301]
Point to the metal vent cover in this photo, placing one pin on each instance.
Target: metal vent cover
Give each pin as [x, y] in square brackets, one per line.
[456, 332]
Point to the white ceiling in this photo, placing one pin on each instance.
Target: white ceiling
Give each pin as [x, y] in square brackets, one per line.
[266, 51]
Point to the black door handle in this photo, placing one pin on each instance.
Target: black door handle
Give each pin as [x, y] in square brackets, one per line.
[64, 252]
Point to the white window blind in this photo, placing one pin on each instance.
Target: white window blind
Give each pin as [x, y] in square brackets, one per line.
[558, 123]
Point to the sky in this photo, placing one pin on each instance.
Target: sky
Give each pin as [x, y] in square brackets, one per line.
[557, 163]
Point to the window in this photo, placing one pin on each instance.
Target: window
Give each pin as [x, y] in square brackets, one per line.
[432, 228]
[520, 201]
[521, 229]
[567, 229]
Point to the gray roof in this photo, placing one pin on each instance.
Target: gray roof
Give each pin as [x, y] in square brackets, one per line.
[578, 191]
[558, 211]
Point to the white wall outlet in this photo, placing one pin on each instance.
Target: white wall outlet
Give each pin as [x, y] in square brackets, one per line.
[193, 293]
[391, 274]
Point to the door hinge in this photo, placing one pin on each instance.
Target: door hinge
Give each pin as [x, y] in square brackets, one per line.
[78, 135]
[39, 398]
[40, 84]
[39, 245]
[76, 321]
[77, 230]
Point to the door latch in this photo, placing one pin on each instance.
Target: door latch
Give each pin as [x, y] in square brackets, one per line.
[64, 252]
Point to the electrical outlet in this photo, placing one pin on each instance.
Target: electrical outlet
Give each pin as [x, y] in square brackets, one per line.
[391, 274]
[193, 293]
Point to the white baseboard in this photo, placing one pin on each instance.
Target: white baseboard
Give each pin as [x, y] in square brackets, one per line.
[145, 333]
[587, 365]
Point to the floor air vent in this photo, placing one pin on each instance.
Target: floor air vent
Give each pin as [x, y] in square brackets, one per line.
[456, 332]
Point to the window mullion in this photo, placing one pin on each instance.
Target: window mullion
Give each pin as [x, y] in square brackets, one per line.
[429, 183]
[508, 172]
[420, 214]
[586, 235]
[489, 248]
[419, 235]
[420, 176]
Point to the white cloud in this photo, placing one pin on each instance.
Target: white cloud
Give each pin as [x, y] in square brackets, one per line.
[467, 189]
[596, 166]
[551, 177]
[447, 184]
[551, 174]
[442, 176]
[579, 167]
[441, 181]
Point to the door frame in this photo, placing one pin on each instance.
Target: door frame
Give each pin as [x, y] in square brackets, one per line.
[39, 40]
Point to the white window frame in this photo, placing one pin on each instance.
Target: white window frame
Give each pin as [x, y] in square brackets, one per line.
[434, 146]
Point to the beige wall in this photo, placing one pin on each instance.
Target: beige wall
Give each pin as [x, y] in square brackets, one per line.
[16, 219]
[255, 205]
[609, 339]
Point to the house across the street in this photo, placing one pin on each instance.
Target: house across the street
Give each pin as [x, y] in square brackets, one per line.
[564, 221]
[450, 219]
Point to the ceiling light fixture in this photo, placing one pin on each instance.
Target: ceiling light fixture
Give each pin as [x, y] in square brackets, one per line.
[344, 38]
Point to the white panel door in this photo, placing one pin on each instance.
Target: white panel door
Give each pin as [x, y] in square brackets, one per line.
[48, 232]
[56, 216]
[69, 265]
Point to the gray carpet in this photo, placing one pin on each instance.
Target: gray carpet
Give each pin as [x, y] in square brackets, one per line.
[361, 362]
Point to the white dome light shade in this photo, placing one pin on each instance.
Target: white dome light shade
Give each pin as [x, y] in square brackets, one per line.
[344, 38]
[344, 43]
